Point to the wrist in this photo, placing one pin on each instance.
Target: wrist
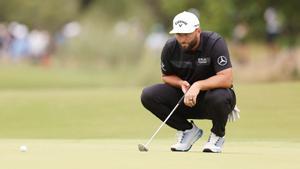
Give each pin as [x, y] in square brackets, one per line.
[199, 85]
[181, 83]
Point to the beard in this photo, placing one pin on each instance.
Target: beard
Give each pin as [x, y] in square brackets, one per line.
[189, 46]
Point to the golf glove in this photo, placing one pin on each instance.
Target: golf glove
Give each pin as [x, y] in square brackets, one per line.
[234, 115]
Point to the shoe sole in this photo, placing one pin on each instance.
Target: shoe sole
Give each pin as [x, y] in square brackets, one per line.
[195, 139]
[207, 150]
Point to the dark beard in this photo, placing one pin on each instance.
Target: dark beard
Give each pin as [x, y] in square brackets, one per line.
[191, 45]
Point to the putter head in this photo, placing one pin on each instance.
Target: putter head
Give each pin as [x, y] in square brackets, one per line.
[142, 148]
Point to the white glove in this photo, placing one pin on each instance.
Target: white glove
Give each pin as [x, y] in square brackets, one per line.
[234, 115]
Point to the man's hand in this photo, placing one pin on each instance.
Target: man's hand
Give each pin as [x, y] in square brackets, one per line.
[184, 86]
[190, 98]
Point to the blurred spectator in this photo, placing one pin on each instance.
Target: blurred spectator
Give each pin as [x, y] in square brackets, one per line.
[272, 29]
[132, 26]
[156, 39]
[38, 42]
[19, 44]
[4, 40]
[69, 30]
[240, 32]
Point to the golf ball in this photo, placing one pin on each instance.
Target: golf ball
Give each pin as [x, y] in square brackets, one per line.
[23, 148]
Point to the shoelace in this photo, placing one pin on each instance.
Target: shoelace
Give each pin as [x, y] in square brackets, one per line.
[180, 136]
[217, 142]
[213, 140]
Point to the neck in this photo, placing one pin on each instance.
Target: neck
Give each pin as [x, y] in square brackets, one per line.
[197, 43]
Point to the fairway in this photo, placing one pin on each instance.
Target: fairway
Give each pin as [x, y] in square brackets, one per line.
[268, 111]
[123, 153]
[95, 84]
[100, 127]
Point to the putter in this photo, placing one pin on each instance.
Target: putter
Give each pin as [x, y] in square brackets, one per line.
[143, 147]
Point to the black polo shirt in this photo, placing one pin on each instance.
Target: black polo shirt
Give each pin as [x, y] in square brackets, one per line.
[211, 57]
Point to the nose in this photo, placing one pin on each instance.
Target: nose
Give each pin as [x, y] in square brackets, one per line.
[182, 37]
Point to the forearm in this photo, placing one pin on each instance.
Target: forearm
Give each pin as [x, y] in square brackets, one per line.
[172, 80]
[222, 79]
[213, 82]
[217, 81]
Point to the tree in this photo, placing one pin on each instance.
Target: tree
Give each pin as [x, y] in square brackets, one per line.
[49, 15]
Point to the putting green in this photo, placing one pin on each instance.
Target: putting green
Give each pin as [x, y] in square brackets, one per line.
[123, 154]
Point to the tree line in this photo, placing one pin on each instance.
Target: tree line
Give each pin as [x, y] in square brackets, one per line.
[220, 15]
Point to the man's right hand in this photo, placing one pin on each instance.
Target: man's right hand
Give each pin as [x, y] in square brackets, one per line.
[175, 81]
[184, 86]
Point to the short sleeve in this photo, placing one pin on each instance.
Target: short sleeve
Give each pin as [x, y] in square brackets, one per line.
[166, 54]
[220, 56]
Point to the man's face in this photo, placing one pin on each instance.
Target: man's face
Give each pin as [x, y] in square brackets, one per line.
[187, 41]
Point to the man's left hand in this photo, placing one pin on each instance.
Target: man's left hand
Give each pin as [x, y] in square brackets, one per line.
[190, 98]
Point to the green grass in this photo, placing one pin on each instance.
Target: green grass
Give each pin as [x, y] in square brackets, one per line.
[68, 113]
[269, 111]
[76, 119]
[114, 154]
[21, 76]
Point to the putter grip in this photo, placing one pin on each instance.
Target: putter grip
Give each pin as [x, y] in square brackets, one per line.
[181, 99]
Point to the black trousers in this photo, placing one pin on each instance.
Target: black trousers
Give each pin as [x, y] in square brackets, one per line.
[214, 104]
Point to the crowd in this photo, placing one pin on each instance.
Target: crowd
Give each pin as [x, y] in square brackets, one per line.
[18, 42]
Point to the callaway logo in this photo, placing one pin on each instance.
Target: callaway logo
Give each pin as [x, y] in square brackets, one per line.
[222, 60]
[163, 67]
[180, 22]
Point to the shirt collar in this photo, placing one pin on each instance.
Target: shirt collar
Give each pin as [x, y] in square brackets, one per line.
[200, 48]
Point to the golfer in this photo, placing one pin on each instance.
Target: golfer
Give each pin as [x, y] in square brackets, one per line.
[196, 64]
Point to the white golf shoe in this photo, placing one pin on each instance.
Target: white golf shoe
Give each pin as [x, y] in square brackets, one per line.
[214, 144]
[185, 139]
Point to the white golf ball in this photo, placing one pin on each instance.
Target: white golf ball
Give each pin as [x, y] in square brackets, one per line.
[23, 148]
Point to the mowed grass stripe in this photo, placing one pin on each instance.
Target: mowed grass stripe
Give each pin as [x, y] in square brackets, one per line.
[269, 111]
[122, 153]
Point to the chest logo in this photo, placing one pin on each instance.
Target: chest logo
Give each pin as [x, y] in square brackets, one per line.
[222, 60]
[202, 61]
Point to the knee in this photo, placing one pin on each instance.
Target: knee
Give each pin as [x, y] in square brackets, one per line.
[157, 94]
[147, 96]
[219, 99]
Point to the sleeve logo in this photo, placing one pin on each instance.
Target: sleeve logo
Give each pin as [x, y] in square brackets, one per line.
[222, 60]
[163, 67]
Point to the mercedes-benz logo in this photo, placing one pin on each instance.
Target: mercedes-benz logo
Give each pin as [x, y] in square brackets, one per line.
[222, 60]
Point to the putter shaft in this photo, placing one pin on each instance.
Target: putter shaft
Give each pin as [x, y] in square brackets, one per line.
[164, 122]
